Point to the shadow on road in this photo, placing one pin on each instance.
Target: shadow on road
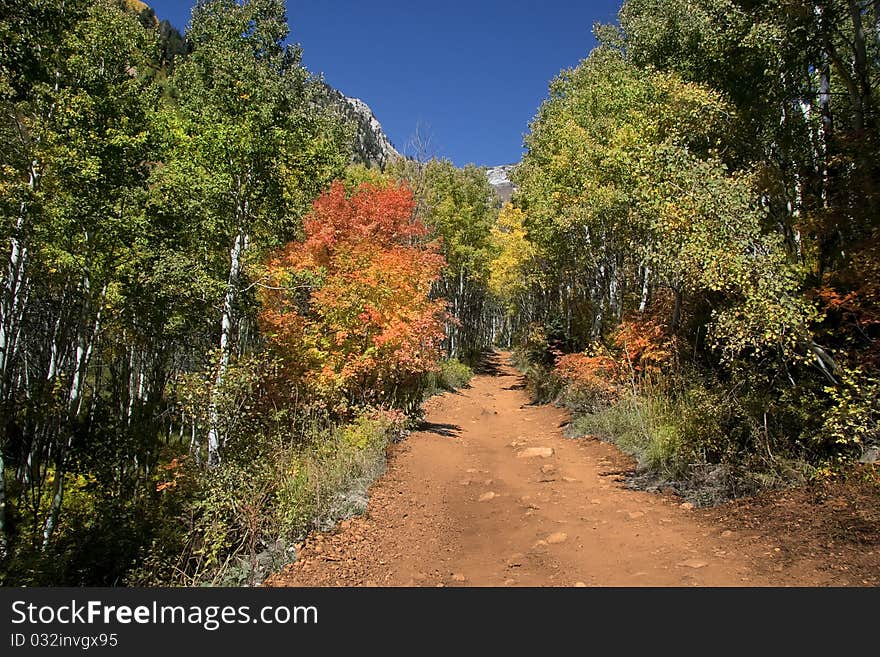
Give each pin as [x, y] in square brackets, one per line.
[440, 428]
[490, 364]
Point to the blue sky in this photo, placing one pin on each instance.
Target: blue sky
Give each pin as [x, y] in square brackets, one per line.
[470, 74]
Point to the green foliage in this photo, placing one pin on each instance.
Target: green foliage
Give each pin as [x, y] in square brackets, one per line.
[853, 417]
[243, 518]
[459, 206]
[451, 375]
[697, 437]
[124, 182]
[622, 175]
[666, 185]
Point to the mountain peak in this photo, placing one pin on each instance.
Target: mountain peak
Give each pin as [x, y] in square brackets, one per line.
[499, 178]
[372, 146]
[373, 143]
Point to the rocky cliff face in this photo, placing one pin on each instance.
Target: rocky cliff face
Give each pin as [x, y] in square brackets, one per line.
[372, 146]
[500, 180]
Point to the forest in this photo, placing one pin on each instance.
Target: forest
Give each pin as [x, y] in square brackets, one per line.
[214, 319]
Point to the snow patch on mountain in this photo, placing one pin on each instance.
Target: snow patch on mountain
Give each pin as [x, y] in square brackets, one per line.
[499, 178]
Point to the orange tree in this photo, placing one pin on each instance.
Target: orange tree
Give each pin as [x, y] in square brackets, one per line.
[347, 310]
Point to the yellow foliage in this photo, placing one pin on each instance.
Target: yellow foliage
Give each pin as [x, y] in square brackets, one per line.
[508, 270]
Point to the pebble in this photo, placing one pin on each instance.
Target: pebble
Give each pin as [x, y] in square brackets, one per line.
[485, 497]
[687, 506]
[693, 563]
[535, 452]
[556, 537]
[635, 514]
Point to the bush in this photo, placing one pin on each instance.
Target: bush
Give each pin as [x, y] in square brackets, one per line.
[588, 382]
[451, 375]
[236, 523]
[697, 437]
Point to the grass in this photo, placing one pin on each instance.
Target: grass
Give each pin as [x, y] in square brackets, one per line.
[235, 524]
[642, 427]
[692, 439]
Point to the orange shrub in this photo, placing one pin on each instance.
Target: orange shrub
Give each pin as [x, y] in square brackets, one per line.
[348, 309]
[643, 343]
[593, 377]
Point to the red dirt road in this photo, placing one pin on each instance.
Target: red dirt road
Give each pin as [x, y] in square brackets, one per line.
[490, 493]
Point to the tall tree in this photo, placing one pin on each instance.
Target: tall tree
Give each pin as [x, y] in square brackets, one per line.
[251, 147]
[77, 168]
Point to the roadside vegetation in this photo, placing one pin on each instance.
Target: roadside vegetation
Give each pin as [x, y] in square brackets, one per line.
[690, 261]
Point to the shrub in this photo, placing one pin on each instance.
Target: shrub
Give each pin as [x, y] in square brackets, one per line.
[852, 421]
[588, 381]
[236, 523]
[451, 374]
[348, 310]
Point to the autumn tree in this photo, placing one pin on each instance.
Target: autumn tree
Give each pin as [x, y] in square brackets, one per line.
[250, 149]
[348, 308]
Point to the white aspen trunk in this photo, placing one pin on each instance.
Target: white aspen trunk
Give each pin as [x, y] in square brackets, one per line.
[75, 380]
[226, 321]
[614, 292]
[12, 305]
[84, 348]
[55, 507]
[193, 442]
[827, 122]
[85, 345]
[55, 355]
[131, 383]
[646, 274]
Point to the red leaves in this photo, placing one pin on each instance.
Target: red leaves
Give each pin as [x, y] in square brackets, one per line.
[644, 344]
[641, 346]
[375, 216]
[594, 371]
[348, 309]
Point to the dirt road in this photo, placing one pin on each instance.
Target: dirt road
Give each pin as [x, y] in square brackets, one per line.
[490, 493]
